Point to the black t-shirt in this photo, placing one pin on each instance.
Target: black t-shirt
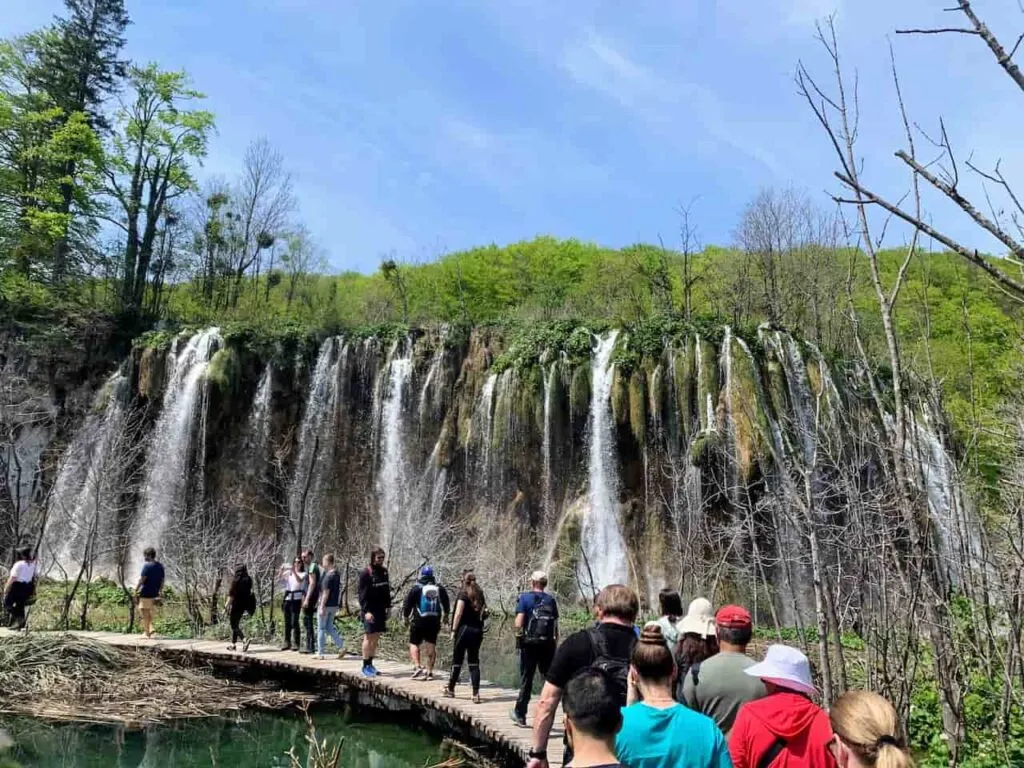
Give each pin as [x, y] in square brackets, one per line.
[332, 586]
[577, 652]
[314, 589]
[470, 616]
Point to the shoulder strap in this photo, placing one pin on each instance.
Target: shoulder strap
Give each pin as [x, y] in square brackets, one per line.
[773, 751]
[597, 642]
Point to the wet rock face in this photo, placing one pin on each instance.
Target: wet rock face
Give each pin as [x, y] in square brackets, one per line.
[437, 447]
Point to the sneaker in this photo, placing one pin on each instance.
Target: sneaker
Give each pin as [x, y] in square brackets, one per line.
[286, 647]
[429, 676]
[448, 693]
[419, 674]
[374, 670]
[476, 698]
[245, 646]
[519, 721]
[305, 651]
[369, 671]
[231, 647]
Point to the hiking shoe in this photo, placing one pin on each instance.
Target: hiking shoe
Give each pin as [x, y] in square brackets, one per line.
[305, 651]
[286, 647]
[476, 698]
[369, 671]
[517, 719]
[245, 646]
[419, 674]
[231, 647]
[448, 693]
[428, 676]
[374, 670]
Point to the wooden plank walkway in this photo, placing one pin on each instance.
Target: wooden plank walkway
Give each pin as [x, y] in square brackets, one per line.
[488, 721]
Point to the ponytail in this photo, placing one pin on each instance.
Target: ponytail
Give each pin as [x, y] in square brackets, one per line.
[868, 726]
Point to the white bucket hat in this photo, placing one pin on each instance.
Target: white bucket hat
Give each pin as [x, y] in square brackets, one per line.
[699, 619]
[785, 667]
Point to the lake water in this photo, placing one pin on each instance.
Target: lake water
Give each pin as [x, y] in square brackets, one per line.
[254, 740]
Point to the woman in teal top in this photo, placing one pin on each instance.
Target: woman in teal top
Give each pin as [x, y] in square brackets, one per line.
[657, 731]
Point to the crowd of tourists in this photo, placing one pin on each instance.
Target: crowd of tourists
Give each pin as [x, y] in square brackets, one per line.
[679, 692]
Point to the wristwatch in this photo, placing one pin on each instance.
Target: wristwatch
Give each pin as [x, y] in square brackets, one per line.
[540, 754]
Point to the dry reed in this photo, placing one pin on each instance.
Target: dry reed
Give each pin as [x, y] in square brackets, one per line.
[72, 679]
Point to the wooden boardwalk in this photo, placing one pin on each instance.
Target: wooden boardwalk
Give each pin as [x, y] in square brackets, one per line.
[487, 722]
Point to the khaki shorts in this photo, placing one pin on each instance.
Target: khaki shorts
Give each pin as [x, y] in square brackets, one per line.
[147, 603]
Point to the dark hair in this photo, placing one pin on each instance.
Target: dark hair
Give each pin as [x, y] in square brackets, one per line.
[329, 558]
[149, 552]
[618, 601]
[671, 603]
[472, 590]
[240, 571]
[735, 635]
[24, 553]
[374, 553]
[592, 705]
[651, 656]
[694, 649]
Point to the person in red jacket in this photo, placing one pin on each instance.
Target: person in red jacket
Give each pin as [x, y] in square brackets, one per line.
[785, 729]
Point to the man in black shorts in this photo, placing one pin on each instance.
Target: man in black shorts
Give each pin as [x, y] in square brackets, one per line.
[426, 606]
[374, 604]
[606, 648]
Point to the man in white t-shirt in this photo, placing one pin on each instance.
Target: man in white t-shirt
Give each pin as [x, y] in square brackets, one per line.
[19, 587]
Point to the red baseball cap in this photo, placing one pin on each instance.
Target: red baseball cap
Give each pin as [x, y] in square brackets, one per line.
[734, 617]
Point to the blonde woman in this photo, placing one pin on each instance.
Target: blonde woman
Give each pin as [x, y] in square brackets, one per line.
[867, 733]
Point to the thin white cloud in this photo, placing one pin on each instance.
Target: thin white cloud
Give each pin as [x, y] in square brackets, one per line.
[668, 106]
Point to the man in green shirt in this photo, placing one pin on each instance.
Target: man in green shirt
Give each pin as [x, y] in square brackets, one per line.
[719, 687]
[310, 601]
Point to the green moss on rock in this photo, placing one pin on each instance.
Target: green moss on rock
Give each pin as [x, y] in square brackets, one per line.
[620, 396]
[579, 391]
[685, 383]
[152, 372]
[224, 370]
[638, 405]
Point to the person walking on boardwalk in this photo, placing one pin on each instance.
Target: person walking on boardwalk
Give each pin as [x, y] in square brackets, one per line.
[19, 587]
[468, 634]
[785, 728]
[241, 600]
[867, 733]
[606, 648]
[593, 719]
[374, 604]
[330, 600]
[657, 731]
[721, 686]
[294, 578]
[151, 584]
[536, 638]
[671, 605]
[310, 601]
[425, 608]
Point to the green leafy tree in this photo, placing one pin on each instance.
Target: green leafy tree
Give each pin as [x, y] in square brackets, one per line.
[156, 140]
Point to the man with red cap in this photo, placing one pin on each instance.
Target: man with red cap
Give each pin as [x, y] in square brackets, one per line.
[721, 686]
[785, 729]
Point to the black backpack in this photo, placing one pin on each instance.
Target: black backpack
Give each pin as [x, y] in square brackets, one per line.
[616, 668]
[540, 626]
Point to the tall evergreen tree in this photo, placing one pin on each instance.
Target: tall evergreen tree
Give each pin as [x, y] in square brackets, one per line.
[79, 70]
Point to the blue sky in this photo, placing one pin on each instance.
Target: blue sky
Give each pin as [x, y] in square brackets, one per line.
[423, 127]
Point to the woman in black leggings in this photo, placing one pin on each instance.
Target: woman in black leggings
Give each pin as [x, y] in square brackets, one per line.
[468, 632]
[238, 603]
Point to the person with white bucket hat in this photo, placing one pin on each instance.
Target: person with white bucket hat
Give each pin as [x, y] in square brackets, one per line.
[785, 729]
[697, 641]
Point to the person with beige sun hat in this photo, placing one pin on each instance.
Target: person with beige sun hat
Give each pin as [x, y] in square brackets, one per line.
[697, 641]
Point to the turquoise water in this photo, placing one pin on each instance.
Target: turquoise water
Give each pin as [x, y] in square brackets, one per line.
[254, 740]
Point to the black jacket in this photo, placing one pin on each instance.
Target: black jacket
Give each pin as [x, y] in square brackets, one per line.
[412, 600]
[374, 590]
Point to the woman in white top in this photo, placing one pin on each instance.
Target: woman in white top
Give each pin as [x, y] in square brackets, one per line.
[19, 587]
[294, 581]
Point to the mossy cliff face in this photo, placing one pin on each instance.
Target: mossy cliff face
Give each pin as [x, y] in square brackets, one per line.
[445, 437]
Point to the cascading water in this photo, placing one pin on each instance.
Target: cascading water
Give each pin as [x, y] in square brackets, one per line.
[482, 433]
[603, 544]
[549, 391]
[392, 478]
[171, 452]
[316, 443]
[78, 507]
[258, 431]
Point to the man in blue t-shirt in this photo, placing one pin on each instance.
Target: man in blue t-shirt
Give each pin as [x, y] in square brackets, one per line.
[536, 638]
[151, 582]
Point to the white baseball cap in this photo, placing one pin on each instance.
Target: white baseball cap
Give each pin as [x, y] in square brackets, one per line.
[538, 576]
[785, 667]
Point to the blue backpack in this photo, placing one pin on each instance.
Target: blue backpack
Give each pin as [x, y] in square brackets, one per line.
[430, 601]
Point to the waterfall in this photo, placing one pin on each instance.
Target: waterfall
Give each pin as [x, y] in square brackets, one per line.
[481, 428]
[258, 431]
[392, 483]
[603, 544]
[88, 475]
[316, 446]
[428, 403]
[549, 392]
[169, 465]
